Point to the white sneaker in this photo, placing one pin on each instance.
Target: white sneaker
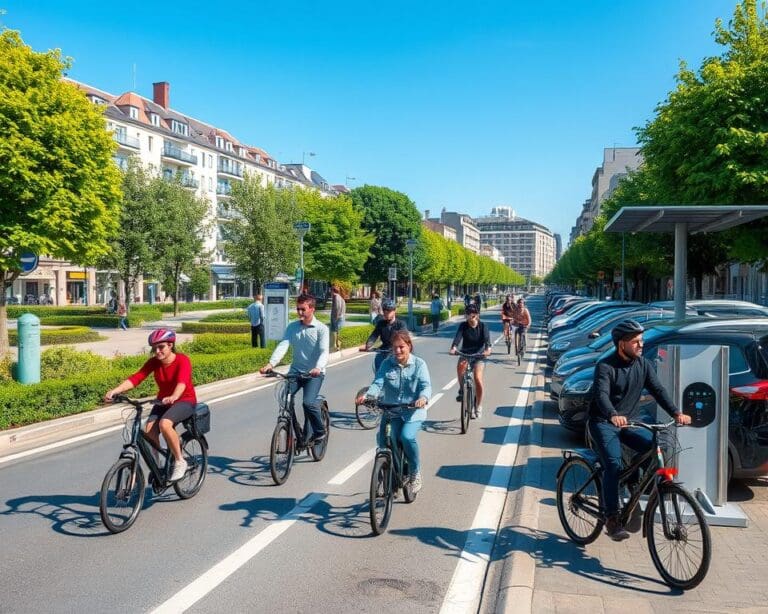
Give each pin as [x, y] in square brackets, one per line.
[179, 469]
[479, 412]
[416, 482]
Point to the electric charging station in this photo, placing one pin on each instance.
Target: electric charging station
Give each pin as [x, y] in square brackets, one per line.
[697, 378]
[275, 309]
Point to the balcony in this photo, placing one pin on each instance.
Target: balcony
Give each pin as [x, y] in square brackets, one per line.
[170, 151]
[227, 167]
[126, 141]
[223, 189]
[189, 182]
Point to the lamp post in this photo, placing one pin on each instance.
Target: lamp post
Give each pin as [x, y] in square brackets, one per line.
[410, 245]
[348, 179]
[301, 229]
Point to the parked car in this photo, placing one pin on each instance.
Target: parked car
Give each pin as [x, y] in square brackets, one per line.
[747, 340]
[719, 307]
[575, 319]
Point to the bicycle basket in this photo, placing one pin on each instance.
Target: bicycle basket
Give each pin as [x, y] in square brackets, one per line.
[200, 421]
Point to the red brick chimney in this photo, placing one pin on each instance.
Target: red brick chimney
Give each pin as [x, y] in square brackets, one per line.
[161, 93]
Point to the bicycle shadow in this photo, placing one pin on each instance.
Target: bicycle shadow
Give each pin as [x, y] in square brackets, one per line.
[251, 472]
[345, 420]
[73, 515]
[264, 508]
[442, 427]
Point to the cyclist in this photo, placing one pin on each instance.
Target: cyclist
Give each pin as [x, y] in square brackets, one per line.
[176, 398]
[475, 338]
[508, 313]
[618, 383]
[309, 339]
[403, 378]
[522, 319]
[386, 326]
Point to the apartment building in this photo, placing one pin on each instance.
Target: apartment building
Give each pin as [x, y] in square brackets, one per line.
[527, 247]
[207, 159]
[444, 231]
[467, 233]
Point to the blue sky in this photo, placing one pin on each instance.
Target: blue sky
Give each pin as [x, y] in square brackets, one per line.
[459, 105]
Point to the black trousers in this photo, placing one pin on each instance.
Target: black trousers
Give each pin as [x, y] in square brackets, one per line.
[257, 336]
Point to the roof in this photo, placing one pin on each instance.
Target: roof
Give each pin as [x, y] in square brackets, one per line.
[700, 218]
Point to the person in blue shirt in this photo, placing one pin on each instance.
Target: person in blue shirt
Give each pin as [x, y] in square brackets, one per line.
[308, 337]
[403, 378]
[256, 316]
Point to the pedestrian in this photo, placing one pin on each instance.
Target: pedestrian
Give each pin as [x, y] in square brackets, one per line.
[338, 311]
[477, 302]
[112, 303]
[375, 308]
[256, 316]
[467, 301]
[122, 313]
[436, 307]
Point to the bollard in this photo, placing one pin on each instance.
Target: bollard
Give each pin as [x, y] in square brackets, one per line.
[28, 371]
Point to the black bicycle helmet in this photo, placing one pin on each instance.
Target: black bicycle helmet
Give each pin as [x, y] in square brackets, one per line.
[387, 305]
[626, 328]
[472, 309]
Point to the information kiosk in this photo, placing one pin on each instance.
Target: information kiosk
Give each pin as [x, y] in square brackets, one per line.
[276, 309]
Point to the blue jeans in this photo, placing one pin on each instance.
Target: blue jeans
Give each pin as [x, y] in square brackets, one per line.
[124, 322]
[309, 401]
[608, 439]
[405, 433]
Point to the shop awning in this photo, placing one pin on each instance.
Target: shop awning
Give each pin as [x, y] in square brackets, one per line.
[224, 273]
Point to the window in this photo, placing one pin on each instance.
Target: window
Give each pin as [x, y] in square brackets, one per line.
[219, 142]
[149, 143]
[155, 119]
[242, 152]
[178, 127]
[210, 184]
[736, 361]
[133, 112]
[228, 146]
[210, 161]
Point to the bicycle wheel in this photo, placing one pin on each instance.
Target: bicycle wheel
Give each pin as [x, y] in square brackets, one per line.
[318, 449]
[381, 494]
[467, 400]
[366, 416]
[194, 452]
[122, 495]
[281, 452]
[682, 549]
[579, 513]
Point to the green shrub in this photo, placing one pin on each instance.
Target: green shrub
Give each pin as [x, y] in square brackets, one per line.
[65, 334]
[227, 316]
[14, 311]
[6, 368]
[354, 335]
[205, 305]
[63, 362]
[212, 343]
[358, 308]
[216, 327]
[457, 308]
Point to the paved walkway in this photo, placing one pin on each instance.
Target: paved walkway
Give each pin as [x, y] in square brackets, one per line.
[608, 577]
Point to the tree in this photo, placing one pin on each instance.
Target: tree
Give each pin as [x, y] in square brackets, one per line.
[336, 247]
[199, 280]
[142, 225]
[59, 188]
[179, 248]
[260, 239]
[392, 218]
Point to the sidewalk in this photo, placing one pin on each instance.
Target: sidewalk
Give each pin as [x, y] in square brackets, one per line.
[545, 572]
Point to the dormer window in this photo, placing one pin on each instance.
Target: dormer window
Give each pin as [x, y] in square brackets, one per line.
[96, 100]
[133, 112]
[155, 119]
[219, 142]
[242, 152]
[178, 127]
[229, 146]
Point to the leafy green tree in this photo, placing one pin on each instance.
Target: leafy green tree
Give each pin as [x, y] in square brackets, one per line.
[336, 247]
[179, 247]
[392, 218]
[142, 225]
[260, 239]
[199, 280]
[59, 188]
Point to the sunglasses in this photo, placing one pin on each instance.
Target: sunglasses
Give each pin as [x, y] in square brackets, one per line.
[303, 309]
[160, 346]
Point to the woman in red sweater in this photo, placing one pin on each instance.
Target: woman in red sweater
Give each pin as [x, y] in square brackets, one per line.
[176, 398]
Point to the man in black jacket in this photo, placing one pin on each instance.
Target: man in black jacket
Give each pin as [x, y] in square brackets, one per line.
[385, 327]
[618, 384]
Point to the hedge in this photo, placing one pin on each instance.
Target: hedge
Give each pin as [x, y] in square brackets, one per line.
[14, 311]
[136, 317]
[65, 334]
[27, 404]
[167, 307]
[227, 316]
[216, 327]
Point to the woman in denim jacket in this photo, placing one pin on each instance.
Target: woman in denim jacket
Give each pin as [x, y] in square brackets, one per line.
[403, 378]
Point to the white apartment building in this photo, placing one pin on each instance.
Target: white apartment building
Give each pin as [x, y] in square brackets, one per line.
[208, 160]
[492, 252]
[467, 233]
[527, 247]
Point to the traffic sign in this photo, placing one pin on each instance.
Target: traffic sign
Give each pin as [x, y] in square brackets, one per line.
[29, 262]
[392, 273]
[302, 226]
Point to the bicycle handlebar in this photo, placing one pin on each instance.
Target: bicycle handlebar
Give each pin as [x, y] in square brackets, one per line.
[660, 426]
[476, 355]
[377, 350]
[288, 376]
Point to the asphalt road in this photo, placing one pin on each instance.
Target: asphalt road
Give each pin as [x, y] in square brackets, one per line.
[245, 545]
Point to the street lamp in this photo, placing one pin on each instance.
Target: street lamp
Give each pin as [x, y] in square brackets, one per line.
[348, 179]
[301, 229]
[410, 245]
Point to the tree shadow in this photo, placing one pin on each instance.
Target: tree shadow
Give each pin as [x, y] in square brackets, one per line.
[481, 474]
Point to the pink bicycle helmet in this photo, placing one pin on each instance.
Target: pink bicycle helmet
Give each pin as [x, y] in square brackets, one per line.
[161, 335]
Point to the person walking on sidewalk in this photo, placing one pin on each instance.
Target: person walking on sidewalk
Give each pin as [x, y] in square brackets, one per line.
[436, 308]
[122, 313]
[375, 308]
[256, 316]
[618, 383]
[338, 311]
[308, 337]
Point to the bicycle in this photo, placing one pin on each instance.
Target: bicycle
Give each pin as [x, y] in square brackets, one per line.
[520, 343]
[365, 417]
[507, 335]
[672, 521]
[390, 470]
[289, 437]
[468, 397]
[122, 492]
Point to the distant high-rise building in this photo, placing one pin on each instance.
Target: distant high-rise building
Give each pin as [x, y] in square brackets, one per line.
[528, 247]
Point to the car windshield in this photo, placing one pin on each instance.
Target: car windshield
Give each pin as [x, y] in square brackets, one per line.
[761, 359]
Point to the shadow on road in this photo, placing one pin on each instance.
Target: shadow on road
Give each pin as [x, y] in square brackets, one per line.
[75, 515]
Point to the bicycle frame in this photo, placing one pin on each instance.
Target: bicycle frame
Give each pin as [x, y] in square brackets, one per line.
[287, 411]
[143, 445]
[392, 449]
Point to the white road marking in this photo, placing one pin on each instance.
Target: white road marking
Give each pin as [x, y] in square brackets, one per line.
[434, 399]
[343, 475]
[201, 586]
[451, 384]
[466, 586]
[59, 444]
